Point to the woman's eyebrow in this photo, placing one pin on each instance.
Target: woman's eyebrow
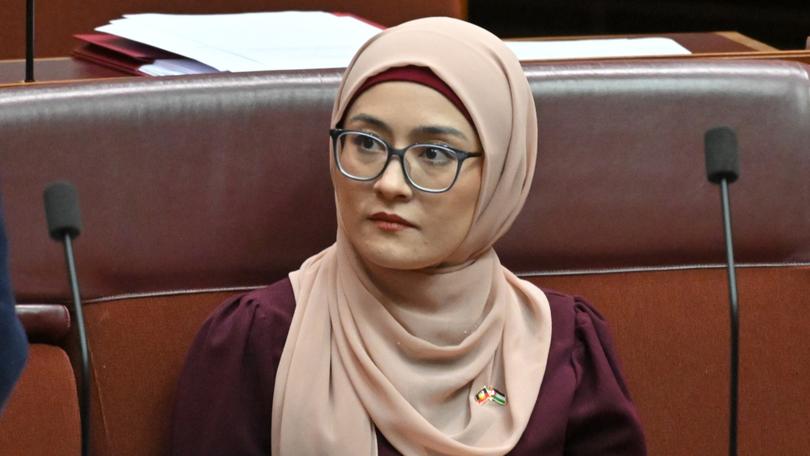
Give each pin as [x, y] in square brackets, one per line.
[423, 130]
[440, 130]
[371, 120]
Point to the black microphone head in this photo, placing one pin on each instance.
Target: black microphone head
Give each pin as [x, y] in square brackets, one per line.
[721, 155]
[62, 210]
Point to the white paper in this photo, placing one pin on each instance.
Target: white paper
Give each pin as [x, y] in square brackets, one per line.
[597, 48]
[250, 41]
[291, 40]
[175, 67]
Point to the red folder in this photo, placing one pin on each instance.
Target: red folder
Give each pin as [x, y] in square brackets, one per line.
[118, 53]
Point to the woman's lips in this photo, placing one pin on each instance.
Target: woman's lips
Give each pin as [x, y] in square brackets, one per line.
[390, 222]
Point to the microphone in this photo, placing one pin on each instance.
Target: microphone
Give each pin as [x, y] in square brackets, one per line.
[65, 224]
[722, 167]
[29, 41]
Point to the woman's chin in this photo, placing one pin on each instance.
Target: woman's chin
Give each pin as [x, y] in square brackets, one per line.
[402, 257]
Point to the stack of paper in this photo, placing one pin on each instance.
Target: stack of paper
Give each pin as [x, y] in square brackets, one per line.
[245, 42]
[170, 44]
[596, 48]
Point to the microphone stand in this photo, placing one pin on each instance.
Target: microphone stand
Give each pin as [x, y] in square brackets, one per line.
[29, 40]
[735, 319]
[722, 167]
[64, 224]
[84, 393]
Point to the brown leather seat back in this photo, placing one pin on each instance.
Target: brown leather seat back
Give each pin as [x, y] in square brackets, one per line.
[221, 182]
[224, 179]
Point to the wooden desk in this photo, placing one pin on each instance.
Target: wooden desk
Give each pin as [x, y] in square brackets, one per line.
[12, 72]
[726, 45]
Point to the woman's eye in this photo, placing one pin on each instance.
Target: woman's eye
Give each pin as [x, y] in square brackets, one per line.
[367, 143]
[437, 156]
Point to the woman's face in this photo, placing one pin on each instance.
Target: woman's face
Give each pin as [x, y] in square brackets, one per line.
[434, 224]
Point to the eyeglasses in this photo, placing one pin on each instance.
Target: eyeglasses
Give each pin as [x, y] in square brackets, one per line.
[431, 168]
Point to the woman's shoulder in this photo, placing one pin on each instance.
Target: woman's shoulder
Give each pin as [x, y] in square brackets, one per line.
[277, 298]
[229, 374]
[254, 320]
[581, 333]
[572, 314]
[578, 331]
[270, 305]
[584, 385]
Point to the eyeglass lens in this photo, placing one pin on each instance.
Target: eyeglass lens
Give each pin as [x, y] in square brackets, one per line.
[362, 156]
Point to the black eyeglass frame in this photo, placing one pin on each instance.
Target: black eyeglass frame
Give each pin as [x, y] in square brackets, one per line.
[460, 155]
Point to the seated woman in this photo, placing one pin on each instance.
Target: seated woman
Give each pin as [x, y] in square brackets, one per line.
[407, 336]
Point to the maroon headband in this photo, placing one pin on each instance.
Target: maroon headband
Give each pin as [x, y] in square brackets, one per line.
[419, 75]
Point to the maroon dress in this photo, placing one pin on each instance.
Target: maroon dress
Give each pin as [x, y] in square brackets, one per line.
[225, 394]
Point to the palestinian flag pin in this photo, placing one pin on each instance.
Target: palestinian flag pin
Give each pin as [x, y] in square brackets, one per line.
[490, 394]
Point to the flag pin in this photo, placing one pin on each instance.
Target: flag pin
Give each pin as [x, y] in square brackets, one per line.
[490, 394]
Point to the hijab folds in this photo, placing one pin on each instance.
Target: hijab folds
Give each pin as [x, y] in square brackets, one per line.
[407, 352]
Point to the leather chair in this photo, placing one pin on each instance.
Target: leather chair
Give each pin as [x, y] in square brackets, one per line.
[194, 188]
[42, 416]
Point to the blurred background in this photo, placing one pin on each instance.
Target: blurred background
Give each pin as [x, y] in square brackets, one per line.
[780, 23]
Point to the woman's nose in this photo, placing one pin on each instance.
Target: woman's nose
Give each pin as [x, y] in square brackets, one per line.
[392, 183]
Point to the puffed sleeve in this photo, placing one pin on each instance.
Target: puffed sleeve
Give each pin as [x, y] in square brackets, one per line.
[225, 391]
[602, 418]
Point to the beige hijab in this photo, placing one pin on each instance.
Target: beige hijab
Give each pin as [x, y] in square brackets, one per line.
[406, 351]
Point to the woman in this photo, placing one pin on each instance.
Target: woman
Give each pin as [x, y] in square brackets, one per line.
[407, 335]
